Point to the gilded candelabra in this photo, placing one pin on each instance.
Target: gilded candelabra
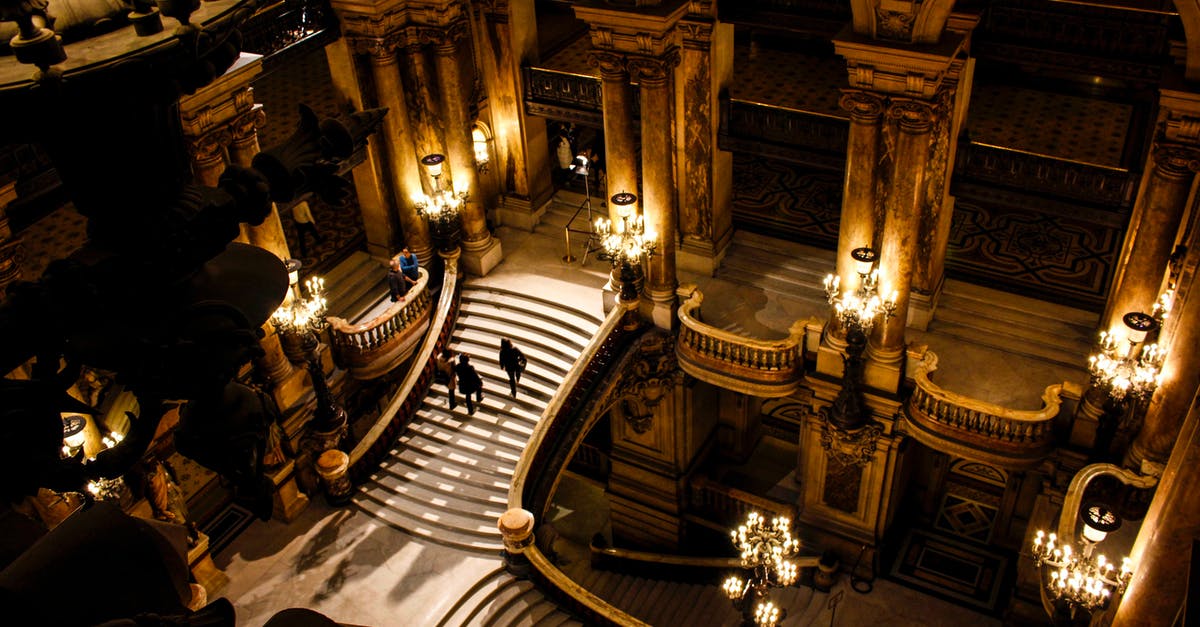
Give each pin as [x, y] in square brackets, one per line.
[625, 243]
[765, 548]
[302, 319]
[443, 206]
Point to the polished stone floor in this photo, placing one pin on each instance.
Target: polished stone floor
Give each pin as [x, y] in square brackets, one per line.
[357, 570]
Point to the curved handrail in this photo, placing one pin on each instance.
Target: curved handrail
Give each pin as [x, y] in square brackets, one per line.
[544, 570]
[409, 395]
[988, 428]
[745, 364]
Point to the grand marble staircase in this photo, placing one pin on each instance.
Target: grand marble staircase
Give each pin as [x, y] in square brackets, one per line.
[447, 479]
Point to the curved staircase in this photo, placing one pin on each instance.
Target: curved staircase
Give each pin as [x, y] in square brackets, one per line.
[447, 479]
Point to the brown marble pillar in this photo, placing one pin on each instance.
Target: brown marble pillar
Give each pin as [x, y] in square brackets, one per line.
[913, 119]
[617, 102]
[403, 166]
[1166, 538]
[10, 269]
[459, 149]
[860, 197]
[705, 189]
[1152, 228]
[243, 145]
[658, 178]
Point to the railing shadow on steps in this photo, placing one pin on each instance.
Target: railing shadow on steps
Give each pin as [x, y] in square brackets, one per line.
[559, 431]
[677, 568]
[374, 446]
[769, 369]
[953, 423]
[371, 348]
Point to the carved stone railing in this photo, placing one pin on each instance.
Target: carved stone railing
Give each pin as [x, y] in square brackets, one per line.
[721, 506]
[742, 364]
[373, 347]
[280, 25]
[554, 441]
[966, 427]
[370, 451]
[563, 95]
[773, 131]
[1037, 173]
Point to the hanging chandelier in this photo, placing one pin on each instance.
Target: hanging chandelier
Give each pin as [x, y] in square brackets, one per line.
[857, 310]
[1125, 367]
[765, 549]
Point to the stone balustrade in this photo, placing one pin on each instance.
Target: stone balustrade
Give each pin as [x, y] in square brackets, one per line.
[763, 368]
[373, 347]
[959, 425]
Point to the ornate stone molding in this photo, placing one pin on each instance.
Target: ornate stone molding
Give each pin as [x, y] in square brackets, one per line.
[895, 25]
[695, 34]
[850, 448]
[612, 65]
[210, 146]
[653, 71]
[863, 106]
[914, 116]
[1176, 160]
[379, 49]
[444, 38]
[651, 377]
[245, 126]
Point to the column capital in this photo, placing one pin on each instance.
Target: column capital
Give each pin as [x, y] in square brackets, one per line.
[208, 147]
[696, 34]
[863, 106]
[612, 65]
[246, 125]
[444, 38]
[1176, 160]
[653, 71]
[378, 49]
[914, 116]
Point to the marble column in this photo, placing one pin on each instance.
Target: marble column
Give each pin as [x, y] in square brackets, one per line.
[705, 177]
[243, 145]
[1152, 229]
[617, 102]
[10, 268]
[1167, 535]
[520, 148]
[481, 252]
[208, 158]
[403, 166]
[861, 201]
[658, 179]
[903, 207]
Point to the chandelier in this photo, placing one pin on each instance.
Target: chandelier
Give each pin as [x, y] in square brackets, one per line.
[765, 549]
[857, 310]
[300, 320]
[625, 243]
[1124, 366]
[1080, 578]
[302, 316]
[441, 207]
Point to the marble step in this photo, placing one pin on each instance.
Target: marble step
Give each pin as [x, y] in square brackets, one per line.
[458, 496]
[355, 286]
[469, 604]
[524, 606]
[498, 403]
[484, 345]
[469, 534]
[523, 332]
[464, 438]
[435, 469]
[430, 436]
[494, 300]
[1026, 313]
[491, 423]
[418, 445]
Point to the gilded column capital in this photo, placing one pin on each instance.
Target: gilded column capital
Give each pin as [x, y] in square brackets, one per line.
[696, 34]
[1176, 160]
[246, 125]
[209, 147]
[863, 106]
[612, 65]
[444, 38]
[914, 116]
[653, 71]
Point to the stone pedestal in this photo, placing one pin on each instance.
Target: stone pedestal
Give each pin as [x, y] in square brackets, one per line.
[516, 529]
[479, 260]
[333, 466]
[204, 571]
[289, 501]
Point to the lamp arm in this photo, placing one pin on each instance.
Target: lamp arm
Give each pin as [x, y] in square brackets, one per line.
[1070, 510]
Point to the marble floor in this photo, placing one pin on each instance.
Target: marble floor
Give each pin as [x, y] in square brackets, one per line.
[359, 571]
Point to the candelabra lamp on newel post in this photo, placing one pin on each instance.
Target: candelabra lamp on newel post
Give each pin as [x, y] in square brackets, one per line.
[1126, 370]
[856, 313]
[625, 244]
[442, 208]
[766, 549]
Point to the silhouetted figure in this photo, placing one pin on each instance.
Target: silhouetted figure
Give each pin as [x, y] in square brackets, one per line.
[513, 361]
[469, 382]
[397, 286]
[444, 373]
[305, 225]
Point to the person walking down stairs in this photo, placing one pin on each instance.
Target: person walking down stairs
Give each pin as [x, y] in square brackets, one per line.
[469, 382]
[444, 373]
[513, 361]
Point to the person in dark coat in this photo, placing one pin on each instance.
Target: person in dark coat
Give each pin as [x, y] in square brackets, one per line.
[397, 286]
[469, 382]
[512, 360]
[445, 374]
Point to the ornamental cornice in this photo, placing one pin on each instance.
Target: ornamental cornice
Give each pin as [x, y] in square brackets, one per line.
[912, 71]
[696, 34]
[201, 117]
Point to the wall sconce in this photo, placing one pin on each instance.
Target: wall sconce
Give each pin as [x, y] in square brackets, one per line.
[479, 140]
[625, 243]
[1124, 367]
